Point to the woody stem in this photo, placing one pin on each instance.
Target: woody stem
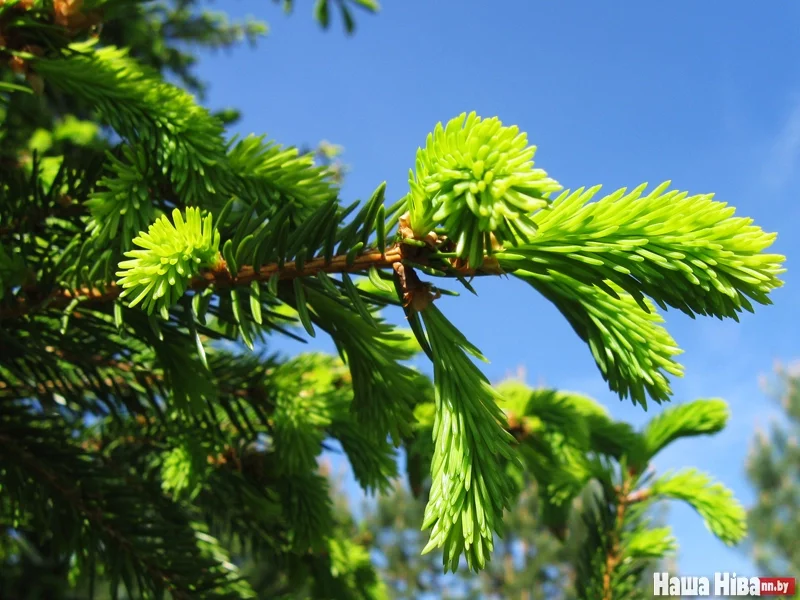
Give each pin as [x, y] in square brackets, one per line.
[221, 277]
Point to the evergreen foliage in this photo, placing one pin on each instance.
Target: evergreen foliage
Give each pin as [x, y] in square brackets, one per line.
[529, 563]
[585, 499]
[773, 470]
[136, 236]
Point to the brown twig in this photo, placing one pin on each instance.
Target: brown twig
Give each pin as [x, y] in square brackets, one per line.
[220, 278]
[637, 496]
[613, 557]
[625, 497]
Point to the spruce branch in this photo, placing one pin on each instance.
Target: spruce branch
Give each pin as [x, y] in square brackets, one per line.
[266, 173]
[470, 490]
[123, 203]
[220, 277]
[183, 138]
[688, 252]
[596, 261]
[42, 191]
[620, 536]
[33, 221]
[88, 500]
[384, 389]
[722, 514]
[701, 417]
[322, 385]
[476, 206]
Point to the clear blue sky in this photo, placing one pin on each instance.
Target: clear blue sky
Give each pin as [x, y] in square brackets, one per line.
[616, 93]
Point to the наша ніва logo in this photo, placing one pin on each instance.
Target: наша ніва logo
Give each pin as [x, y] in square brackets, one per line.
[722, 584]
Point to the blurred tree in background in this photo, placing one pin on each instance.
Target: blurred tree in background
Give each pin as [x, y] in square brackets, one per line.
[773, 468]
[530, 562]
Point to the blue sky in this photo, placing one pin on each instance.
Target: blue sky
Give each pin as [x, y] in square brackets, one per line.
[705, 94]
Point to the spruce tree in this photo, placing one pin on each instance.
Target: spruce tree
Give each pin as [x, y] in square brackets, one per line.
[139, 451]
[773, 468]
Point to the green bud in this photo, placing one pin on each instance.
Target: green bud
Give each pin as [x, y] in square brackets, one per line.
[479, 176]
[170, 256]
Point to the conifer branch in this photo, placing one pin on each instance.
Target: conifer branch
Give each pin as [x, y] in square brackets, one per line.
[91, 513]
[72, 493]
[476, 205]
[34, 220]
[220, 277]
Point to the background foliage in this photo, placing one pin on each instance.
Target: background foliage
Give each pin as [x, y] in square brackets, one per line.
[774, 472]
